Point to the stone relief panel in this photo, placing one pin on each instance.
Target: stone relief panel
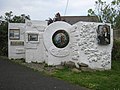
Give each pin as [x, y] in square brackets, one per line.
[58, 52]
[75, 38]
[87, 39]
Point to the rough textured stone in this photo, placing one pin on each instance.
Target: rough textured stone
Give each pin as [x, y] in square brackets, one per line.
[59, 67]
[83, 65]
[76, 70]
[70, 64]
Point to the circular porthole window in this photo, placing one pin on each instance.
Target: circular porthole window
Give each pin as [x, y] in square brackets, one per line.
[60, 38]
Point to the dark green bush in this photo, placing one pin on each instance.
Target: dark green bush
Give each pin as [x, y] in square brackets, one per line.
[4, 39]
[116, 50]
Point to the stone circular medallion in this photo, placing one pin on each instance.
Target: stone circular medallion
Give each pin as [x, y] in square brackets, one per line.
[60, 38]
[57, 35]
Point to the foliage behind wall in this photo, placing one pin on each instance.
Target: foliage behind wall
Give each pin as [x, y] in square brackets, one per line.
[3, 39]
[107, 12]
[4, 20]
[116, 50]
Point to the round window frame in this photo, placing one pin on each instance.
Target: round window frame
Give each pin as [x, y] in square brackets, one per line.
[67, 38]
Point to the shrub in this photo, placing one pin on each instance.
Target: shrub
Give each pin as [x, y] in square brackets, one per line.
[116, 50]
[4, 39]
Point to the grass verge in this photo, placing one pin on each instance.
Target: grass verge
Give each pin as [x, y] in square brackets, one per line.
[98, 80]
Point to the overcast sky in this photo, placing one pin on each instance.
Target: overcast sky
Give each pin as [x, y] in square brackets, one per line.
[43, 9]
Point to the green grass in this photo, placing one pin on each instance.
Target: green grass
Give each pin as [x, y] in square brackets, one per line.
[98, 80]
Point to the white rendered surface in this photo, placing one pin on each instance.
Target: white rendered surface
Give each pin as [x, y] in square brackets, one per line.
[56, 55]
[82, 46]
[15, 52]
[35, 50]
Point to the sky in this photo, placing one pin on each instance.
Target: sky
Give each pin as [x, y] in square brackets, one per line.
[43, 9]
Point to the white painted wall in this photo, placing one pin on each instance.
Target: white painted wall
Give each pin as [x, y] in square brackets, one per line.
[56, 55]
[82, 47]
[35, 50]
[16, 51]
[90, 52]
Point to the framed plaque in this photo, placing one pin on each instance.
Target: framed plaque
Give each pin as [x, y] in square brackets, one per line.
[103, 34]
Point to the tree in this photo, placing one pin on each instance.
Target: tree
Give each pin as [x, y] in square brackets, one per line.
[3, 38]
[56, 18]
[108, 13]
[8, 17]
[117, 20]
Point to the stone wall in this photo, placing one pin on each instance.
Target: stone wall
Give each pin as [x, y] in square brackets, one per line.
[82, 46]
[90, 52]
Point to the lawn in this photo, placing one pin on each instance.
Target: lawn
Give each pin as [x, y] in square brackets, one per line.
[98, 80]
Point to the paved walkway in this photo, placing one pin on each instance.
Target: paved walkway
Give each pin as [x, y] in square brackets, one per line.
[17, 77]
